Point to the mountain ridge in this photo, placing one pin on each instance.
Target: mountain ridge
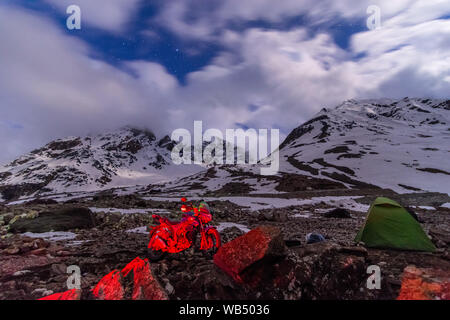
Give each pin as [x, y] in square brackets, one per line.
[387, 143]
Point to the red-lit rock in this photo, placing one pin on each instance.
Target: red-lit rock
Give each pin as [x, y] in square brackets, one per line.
[424, 284]
[73, 294]
[145, 286]
[265, 242]
[110, 287]
[135, 281]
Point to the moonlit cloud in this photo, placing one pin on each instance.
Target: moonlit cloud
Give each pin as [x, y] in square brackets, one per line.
[193, 18]
[52, 88]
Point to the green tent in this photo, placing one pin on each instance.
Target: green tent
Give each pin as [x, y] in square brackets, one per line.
[389, 225]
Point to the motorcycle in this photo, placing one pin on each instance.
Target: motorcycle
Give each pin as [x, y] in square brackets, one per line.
[173, 237]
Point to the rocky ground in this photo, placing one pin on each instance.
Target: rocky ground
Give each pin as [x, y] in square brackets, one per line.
[101, 240]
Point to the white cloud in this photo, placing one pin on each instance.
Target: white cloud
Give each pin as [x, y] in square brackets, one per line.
[287, 74]
[206, 20]
[51, 87]
[411, 57]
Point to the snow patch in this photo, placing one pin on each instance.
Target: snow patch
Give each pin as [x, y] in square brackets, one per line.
[302, 215]
[225, 225]
[260, 203]
[51, 236]
[424, 207]
[140, 230]
[129, 211]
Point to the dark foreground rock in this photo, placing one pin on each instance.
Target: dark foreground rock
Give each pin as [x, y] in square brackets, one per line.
[265, 269]
[338, 213]
[60, 220]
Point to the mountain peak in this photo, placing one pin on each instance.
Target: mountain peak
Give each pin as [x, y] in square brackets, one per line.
[124, 157]
[397, 144]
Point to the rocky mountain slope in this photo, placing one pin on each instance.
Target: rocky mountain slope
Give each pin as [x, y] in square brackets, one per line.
[396, 144]
[126, 157]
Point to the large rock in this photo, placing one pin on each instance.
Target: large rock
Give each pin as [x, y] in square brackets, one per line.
[425, 284]
[110, 287]
[337, 213]
[260, 245]
[214, 284]
[317, 271]
[329, 271]
[145, 286]
[60, 220]
[136, 281]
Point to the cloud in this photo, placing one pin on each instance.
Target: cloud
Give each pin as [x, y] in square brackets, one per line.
[52, 88]
[200, 19]
[292, 74]
[110, 15]
[287, 74]
[413, 51]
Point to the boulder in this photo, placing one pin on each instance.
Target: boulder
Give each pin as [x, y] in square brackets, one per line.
[323, 270]
[59, 220]
[317, 271]
[337, 213]
[264, 243]
[145, 285]
[110, 287]
[425, 284]
[136, 281]
[214, 284]
[280, 216]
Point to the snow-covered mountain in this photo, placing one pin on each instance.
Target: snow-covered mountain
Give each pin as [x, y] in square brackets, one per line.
[402, 145]
[125, 157]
